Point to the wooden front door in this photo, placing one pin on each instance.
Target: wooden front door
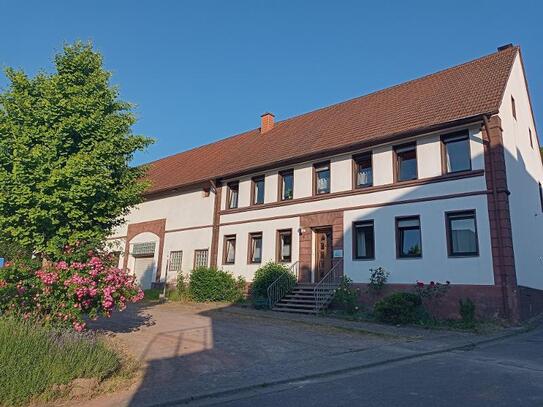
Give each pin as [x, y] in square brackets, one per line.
[323, 252]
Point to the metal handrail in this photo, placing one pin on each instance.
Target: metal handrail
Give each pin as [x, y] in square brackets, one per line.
[283, 285]
[321, 291]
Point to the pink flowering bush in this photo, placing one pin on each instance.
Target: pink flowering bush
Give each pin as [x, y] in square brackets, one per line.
[66, 293]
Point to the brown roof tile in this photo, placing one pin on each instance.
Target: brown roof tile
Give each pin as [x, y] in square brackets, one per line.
[464, 91]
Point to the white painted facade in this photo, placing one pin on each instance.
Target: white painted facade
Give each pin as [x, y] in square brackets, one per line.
[524, 174]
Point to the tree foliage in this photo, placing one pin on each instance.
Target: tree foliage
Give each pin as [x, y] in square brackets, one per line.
[65, 149]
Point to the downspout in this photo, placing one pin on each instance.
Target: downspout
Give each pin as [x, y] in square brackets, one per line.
[505, 294]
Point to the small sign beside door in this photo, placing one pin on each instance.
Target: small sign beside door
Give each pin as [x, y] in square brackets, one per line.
[338, 253]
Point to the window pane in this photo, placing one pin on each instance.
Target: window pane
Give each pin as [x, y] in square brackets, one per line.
[323, 180]
[256, 249]
[463, 237]
[458, 156]
[408, 223]
[288, 186]
[364, 240]
[233, 203]
[285, 248]
[230, 250]
[259, 191]
[407, 164]
[409, 238]
[200, 258]
[364, 176]
[176, 260]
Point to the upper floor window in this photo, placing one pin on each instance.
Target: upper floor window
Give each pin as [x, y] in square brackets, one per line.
[363, 240]
[233, 195]
[284, 246]
[456, 151]
[531, 138]
[363, 170]
[258, 190]
[229, 256]
[286, 185]
[322, 178]
[408, 237]
[406, 162]
[255, 247]
[462, 233]
[513, 107]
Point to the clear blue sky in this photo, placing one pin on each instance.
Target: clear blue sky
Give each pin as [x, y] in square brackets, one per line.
[199, 71]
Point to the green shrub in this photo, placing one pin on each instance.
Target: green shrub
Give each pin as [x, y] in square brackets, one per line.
[34, 358]
[399, 308]
[211, 284]
[467, 311]
[265, 276]
[152, 294]
[346, 297]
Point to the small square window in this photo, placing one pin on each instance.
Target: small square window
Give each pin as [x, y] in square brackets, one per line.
[176, 259]
[363, 240]
[286, 185]
[322, 178]
[284, 246]
[255, 248]
[406, 162]
[363, 170]
[233, 195]
[408, 237]
[200, 258]
[457, 156]
[258, 190]
[462, 234]
[229, 256]
[513, 107]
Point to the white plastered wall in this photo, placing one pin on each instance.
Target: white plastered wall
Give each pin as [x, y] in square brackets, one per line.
[524, 172]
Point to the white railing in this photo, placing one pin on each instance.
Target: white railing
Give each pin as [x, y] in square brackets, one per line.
[324, 289]
[283, 285]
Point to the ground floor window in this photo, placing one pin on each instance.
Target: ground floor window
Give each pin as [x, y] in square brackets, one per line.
[176, 259]
[284, 246]
[229, 256]
[462, 233]
[408, 237]
[200, 258]
[255, 247]
[363, 240]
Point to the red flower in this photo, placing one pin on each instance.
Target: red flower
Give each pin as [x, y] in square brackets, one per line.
[420, 284]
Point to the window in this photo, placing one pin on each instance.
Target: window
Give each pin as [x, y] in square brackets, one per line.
[363, 170]
[541, 196]
[233, 194]
[286, 185]
[146, 249]
[531, 138]
[456, 152]
[176, 259]
[258, 191]
[229, 256]
[406, 162]
[363, 240]
[200, 258]
[255, 247]
[408, 237]
[513, 107]
[322, 178]
[206, 192]
[284, 246]
[462, 234]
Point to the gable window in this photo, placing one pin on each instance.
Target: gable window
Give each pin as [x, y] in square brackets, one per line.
[408, 237]
[176, 259]
[406, 162]
[322, 178]
[229, 256]
[258, 191]
[363, 240]
[513, 107]
[456, 152]
[255, 247]
[363, 170]
[462, 234]
[284, 246]
[286, 185]
[200, 258]
[531, 138]
[232, 195]
[541, 196]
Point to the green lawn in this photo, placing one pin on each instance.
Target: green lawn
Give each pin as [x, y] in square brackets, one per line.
[33, 359]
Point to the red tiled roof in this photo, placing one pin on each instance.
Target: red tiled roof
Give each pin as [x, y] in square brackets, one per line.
[457, 93]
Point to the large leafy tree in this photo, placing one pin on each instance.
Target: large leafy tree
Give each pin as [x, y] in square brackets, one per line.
[65, 150]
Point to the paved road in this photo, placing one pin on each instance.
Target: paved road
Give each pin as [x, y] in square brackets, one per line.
[505, 373]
